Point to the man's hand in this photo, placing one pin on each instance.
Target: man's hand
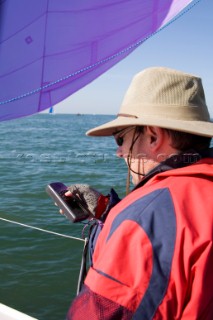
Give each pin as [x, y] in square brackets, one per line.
[90, 198]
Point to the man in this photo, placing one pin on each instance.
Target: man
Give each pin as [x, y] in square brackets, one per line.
[153, 258]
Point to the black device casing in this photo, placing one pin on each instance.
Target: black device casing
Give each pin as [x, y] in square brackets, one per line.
[72, 206]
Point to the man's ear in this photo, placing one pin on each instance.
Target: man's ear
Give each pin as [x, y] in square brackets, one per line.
[156, 136]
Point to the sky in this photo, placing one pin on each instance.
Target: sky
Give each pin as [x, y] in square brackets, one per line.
[185, 45]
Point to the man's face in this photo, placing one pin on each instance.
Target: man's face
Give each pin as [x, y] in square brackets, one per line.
[134, 147]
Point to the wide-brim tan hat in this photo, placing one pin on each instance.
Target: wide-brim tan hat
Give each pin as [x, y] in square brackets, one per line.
[165, 98]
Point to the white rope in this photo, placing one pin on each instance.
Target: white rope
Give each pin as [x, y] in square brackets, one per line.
[43, 230]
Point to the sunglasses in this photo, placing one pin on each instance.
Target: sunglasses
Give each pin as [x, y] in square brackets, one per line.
[119, 135]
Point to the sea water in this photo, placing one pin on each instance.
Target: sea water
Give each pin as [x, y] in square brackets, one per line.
[38, 270]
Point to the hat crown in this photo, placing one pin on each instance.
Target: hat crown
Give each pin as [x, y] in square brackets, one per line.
[165, 98]
[166, 92]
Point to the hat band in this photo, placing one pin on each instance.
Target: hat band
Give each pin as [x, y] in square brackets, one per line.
[174, 112]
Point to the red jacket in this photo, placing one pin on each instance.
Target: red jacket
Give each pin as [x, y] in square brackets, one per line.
[154, 258]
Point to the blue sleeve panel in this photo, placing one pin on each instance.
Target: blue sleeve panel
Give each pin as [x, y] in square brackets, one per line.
[154, 213]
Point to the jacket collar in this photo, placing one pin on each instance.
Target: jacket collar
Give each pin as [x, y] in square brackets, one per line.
[177, 161]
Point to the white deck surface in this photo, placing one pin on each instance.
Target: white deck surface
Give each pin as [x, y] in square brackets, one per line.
[7, 313]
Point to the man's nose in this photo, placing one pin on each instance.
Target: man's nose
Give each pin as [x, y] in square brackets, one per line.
[119, 153]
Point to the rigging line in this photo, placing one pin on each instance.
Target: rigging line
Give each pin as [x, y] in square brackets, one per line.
[131, 47]
[43, 230]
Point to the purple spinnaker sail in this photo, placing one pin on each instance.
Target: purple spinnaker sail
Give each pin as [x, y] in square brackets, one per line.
[49, 49]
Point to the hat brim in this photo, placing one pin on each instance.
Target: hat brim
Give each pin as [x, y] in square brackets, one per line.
[202, 128]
